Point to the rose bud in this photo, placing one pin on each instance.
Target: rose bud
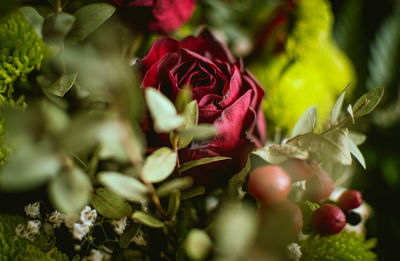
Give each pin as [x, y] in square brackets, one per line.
[300, 169]
[269, 184]
[227, 96]
[328, 220]
[319, 187]
[350, 199]
[161, 16]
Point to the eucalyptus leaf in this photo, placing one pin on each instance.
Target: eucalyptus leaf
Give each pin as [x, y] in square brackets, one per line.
[191, 116]
[56, 26]
[197, 244]
[276, 154]
[200, 132]
[70, 191]
[62, 85]
[191, 164]
[357, 137]
[176, 184]
[129, 233]
[338, 106]
[173, 204]
[88, 19]
[367, 103]
[109, 204]
[162, 111]
[357, 153]
[159, 165]
[306, 123]
[147, 220]
[183, 98]
[34, 18]
[194, 192]
[125, 186]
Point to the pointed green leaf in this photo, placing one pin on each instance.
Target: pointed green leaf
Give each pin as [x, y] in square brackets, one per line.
[350, 111]
[368, 102]
[197, 244]
[56, 26]
[70, 191]
[276, 154]
[183, 98]
[125, 186]
[109, 204]
[162, 111]
[357, 153]
[173, 204]
[34, 18]
[357, 137]
[176, 184]
[129, 233]
[62, 85]
[191, 164]
[200, 132]
[338, 106]
[147, 220]
[191, 116]
[159, 165]
[194, 192]
[306, 123]
[88, 19]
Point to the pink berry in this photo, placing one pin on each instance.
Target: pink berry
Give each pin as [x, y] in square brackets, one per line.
[328, 220]
[319, 187]
[350, 199]
[300, 169]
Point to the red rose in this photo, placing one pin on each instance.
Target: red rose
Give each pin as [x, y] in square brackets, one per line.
[228, 97]
[161, 16]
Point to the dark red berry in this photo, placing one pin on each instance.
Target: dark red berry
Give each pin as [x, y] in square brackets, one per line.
[328, 220]
[269, 184]
[300, 169]
[319, 187]
[353, 218]
[350, 199]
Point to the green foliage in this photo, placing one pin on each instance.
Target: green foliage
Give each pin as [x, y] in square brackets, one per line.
[34, 254]
[21, 51]
[339, 247]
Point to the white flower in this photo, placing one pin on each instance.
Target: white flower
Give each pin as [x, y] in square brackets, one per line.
[79, 231]
[56, 218]
[88, 216]
[33, 227]
[95, 255]
[32, 210]
[139, 239]
[119, 225]
[293, 251]
[70, 220]
[20, 230]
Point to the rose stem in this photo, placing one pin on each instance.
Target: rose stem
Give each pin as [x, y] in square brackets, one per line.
[175, 147]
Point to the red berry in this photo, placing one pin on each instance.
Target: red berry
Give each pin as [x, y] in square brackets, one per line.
[328, 220]
[269, 184]
[300, 169]
[319, 187]
[350, 199]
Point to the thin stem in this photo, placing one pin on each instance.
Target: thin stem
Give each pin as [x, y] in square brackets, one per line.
[58, 6]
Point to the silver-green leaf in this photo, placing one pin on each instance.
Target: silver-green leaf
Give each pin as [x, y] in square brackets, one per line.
[306, 123]
[276, 154]
[109, 204]
[159, 165]
[338, 106]
[368, 102]
[357, 153]
[147, 220]
[62, 85]
[176, 184]
[191, 164]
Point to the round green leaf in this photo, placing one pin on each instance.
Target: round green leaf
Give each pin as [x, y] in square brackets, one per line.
[159, 165]
[197, 244]
[109, 204]
[176, 184]
[368, 102]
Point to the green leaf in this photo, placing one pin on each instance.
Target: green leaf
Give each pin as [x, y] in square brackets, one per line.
[350, 111]
[200, 132]
[176, 184]
[109, 204]
[197, 244]
[338, 107]
[159, 165]
[368, 102]
[56, 26]
[147, 220]
[162, 111]
[306, 123]
[70, 191]
[276, 154]
[34, 18]
[129, 233]
[191, 164]
[357, 153]
[357, 137]
[183, 98]
[173, 204]
[307, 210]
[88, 19]
[234, 190]
[127, 187]
[191, 116]
[29, 167]
[194, 192]
[62, 85]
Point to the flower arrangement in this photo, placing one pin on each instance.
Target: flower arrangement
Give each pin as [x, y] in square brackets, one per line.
[119, 143]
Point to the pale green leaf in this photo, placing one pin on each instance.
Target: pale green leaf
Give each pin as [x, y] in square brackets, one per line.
[62, 85]
[306, 123]
[147, 220]
[276, 154]
[338, 106]
[70, 191]
[34, 18]
[368, 102]
[173, 204]
[159, 165]
[162, 111]
[357, 153]
[357, 137]
[191, 116]
[127, 187]
[109, 204]
[191, 164]
[200, 132]
[57, 25]
[176, 184]
[88, 19]
[183, 98]
[197, 244]
[350, 111]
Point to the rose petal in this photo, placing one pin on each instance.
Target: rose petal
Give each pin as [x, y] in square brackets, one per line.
[160, 47]
[231, 94]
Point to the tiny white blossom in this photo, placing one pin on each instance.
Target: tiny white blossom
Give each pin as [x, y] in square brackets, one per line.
[79, 231]
[139, 239]
[88, 216]
[293, 251]
[32, 210]
[20, 230]
[56, 218]
[70, 220]
[119, 225]
[77, 247]
[95, 255]
[33, 226]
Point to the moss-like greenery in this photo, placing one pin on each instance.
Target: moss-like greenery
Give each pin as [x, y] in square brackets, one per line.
[340, 247]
